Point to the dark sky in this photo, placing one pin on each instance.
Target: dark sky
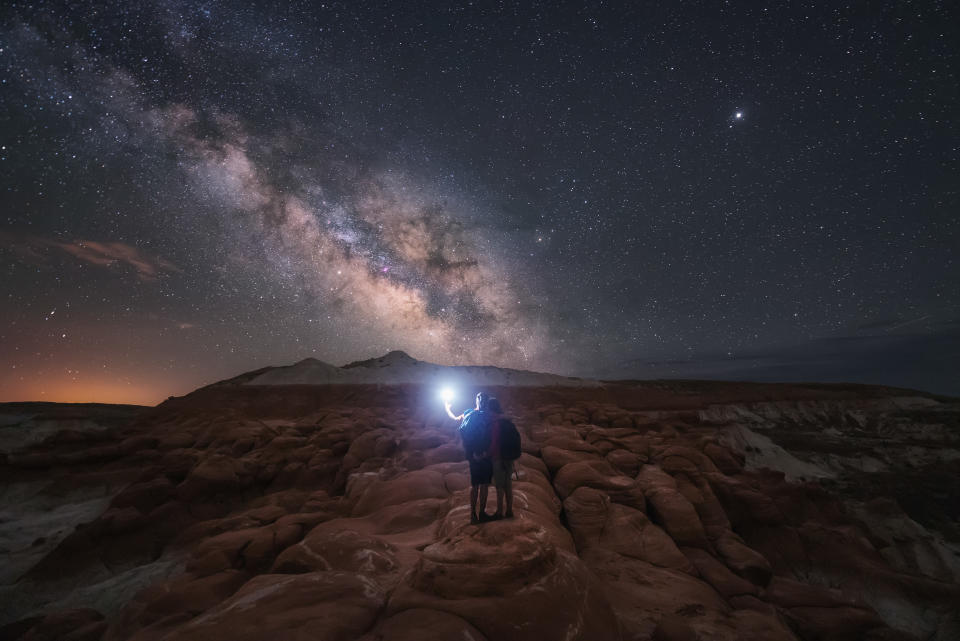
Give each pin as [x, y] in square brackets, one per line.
[743, 190]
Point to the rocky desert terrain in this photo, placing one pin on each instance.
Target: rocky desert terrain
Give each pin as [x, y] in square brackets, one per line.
[260, 508]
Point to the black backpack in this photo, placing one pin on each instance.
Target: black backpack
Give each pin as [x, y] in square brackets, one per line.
[510, 449]
[475, 432]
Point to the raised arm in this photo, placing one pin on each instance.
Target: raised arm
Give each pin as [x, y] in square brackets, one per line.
[446, 406]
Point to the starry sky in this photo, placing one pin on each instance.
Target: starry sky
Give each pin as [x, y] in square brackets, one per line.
[739, 190]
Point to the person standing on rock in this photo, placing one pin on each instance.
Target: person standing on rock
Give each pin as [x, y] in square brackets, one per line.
[475, 434]
[504, 449]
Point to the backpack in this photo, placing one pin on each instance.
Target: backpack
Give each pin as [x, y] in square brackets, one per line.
[475, 432]
[510, 449]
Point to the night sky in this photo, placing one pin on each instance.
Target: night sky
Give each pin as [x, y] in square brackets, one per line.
[759, 191]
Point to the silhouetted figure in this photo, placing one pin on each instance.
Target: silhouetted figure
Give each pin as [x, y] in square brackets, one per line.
[504, 450]
[475, 435]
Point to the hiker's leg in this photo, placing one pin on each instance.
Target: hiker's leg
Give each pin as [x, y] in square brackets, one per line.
[474, 490]
[509, 490]
[498, 486]
[482, 502]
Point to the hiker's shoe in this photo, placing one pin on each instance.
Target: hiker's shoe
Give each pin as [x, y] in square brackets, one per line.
[484, 517]
[509, 514]
[496, 516]
[474, 520]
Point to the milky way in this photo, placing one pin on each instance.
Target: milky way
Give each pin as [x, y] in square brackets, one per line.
[379, 252]
[738, 192]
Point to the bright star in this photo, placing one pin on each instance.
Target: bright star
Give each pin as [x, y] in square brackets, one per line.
[738, 115]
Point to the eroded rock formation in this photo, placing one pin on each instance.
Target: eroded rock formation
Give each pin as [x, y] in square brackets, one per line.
[643, 511]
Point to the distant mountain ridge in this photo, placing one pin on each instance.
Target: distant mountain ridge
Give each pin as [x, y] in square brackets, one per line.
[398, 367]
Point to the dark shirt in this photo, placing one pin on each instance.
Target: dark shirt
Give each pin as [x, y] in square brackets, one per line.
[482, 443]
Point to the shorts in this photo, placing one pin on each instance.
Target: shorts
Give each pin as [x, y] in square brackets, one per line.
[502, 472]
[480, 471]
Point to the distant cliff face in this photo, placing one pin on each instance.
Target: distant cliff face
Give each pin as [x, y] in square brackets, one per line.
[661, 510]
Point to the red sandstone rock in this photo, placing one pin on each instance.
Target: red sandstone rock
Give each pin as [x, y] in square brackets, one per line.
[253, 549]
[624, 461]
[556, 458]
[372, 503]
[334, 606]
[572, 442]
[596, 521]
[448, 453]
[718, 575]
[146, 495]
[121, 520]
[417, 624]
[753, 623]
[506, 580]
[80, 624]
[344, 550]
[832, 623]
[215, 474]
[586, 511]
[421, 484]
[670, 508]
[641, 593]
[746, 562]
[629, 532]
[744, 506]
[708, 507]
[725, 460]
[182, 595]
[673, 628]
[789, 593]
[597, 474]
[680, 458]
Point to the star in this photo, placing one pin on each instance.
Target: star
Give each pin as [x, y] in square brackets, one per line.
[409, 221]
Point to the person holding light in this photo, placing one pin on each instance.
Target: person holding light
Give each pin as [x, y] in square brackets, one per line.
[475, 434]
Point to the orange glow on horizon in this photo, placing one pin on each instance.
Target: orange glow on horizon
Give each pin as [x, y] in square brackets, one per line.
[96, 391]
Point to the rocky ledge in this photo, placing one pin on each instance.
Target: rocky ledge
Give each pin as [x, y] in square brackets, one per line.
[643, 511]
